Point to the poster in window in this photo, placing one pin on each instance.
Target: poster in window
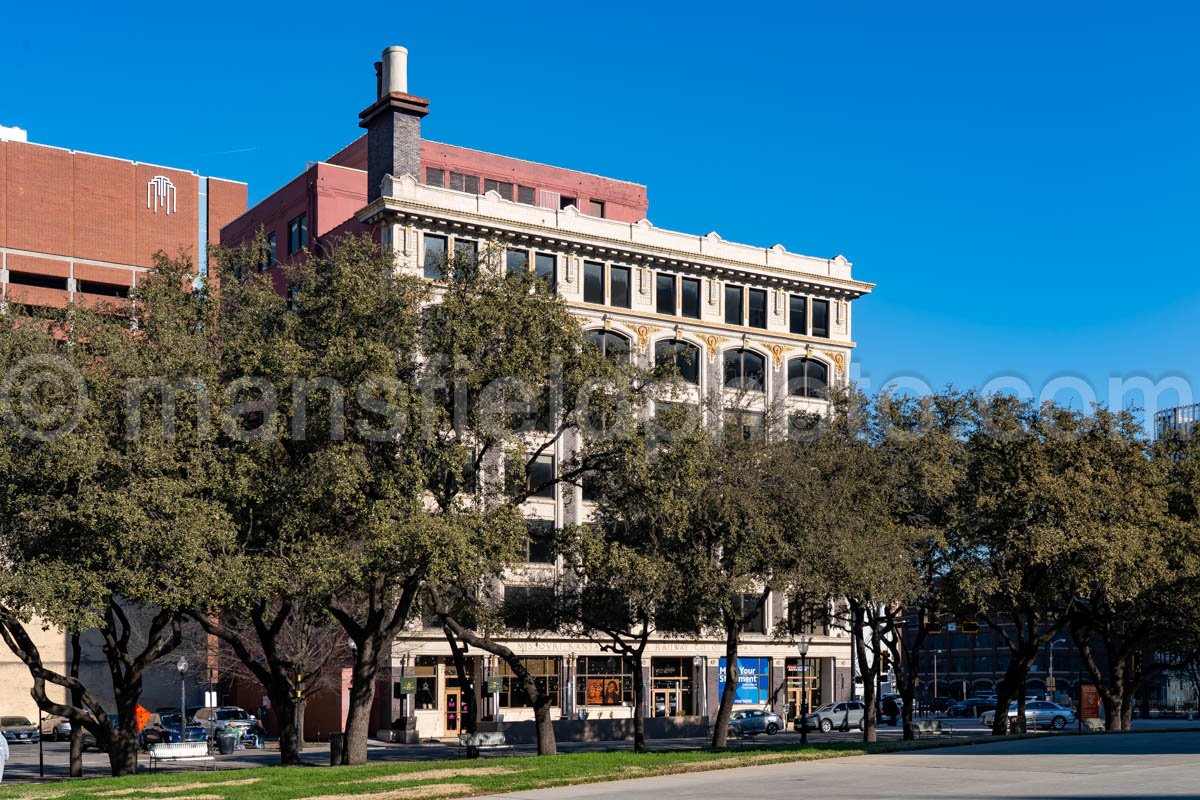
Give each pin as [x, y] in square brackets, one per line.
[753, 680]
[603, 692]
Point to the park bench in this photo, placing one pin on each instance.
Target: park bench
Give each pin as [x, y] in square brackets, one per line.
[928, 727]
[478, 743]
[180, 751]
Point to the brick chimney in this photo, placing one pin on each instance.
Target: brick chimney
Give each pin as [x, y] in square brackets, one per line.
[393, 124]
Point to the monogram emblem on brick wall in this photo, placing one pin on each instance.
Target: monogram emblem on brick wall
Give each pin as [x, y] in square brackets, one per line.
[161, 192]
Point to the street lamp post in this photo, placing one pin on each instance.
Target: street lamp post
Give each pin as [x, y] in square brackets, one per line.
[700, 662]
[1050, 687]
[803, 645]
[182, 666]
[935, 673]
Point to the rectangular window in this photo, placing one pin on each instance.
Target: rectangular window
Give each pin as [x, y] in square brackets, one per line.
[105, 289]
[540, 548]
[435, 256]
[298, 234]
[758, 308]
[516, 261]
[733, 305]
[465, 250]
[425, 672]
[541, 477]
[527, 195]
[798, 314]
[528, 608]
[269, 257]
[544, 267]
[564, 201]
[689, 297]
[461, 182]
[665, 290]
[745, 605]
[820, 318]
[37, 279]
[593, 282]
[603, 681]
[435, 177]
[596, 208]
[618, 286]
[545, 672]
[502, 188]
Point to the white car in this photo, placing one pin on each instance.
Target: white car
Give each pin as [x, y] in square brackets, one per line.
[214, 720]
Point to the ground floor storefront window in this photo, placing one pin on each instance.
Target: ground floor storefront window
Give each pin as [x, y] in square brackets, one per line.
[547, 676]
[803, 685]
[604, 681]
[425, 671]
[670, 687]
[753, 681]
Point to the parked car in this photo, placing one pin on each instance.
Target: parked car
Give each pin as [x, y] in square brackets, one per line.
[192, 732]
[835, 715]
[19, 729]
[214, 720]
[939, 705]
[752, 723]
[1038, 714]
[972, 707]
[87, 740]
[56, 729]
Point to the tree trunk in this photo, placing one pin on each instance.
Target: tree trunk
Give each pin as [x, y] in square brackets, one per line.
[1111, 688]
[283, 703]
[1012, 686]
[547, 743]
[76, 767]
[725, 710]
[869, 669]
[469, 718]
[123, 752]
[639, 706]
[362, 697]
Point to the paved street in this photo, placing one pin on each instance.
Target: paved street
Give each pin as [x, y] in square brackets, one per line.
[1145, 766]
[23, 765]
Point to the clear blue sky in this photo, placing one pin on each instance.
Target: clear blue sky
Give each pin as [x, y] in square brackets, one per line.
[1020, 180]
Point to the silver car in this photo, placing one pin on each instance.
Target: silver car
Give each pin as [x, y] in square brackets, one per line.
[214, 720]
[848, 713]
[752, 723]
[19, 729]
[1038, 714]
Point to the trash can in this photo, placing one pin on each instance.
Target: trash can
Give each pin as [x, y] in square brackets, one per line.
[337, 743]
[226, 743]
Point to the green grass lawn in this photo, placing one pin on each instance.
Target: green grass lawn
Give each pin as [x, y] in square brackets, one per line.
[437, 779]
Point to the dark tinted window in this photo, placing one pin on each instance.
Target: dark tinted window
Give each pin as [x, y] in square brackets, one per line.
[541, 541]
[516, 261]
[689, 298]
[685, 357]
[298, 234]
[541, 474]
[820, 318]
[37, 279]
[733, 305]
[526, 195]
[745, 370]
[664, 289]
[758, 308]
[435, 177]
[465, 251]
[464, 183]
[593, 282]
[612, 345]
[807, 378]
[618, 289]
[596, 208]
[503, 188]
[798, 314]
[435, 256]
[544, 265]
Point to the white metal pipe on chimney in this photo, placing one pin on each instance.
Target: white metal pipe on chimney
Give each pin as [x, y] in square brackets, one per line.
[395, 70]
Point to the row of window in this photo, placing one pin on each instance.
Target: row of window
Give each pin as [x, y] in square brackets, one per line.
[743, 369]
[465, 182]
[679, 296]
[38, 280]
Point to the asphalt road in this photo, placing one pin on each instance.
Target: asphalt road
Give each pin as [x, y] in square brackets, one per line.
[23, 763]
[1143, 766]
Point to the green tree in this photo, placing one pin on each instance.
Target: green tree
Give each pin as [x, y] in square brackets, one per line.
[108, 521]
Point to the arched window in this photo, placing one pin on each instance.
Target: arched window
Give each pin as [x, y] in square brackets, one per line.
[685, 357]
[614, 346]
[808, 377]
[745, 369]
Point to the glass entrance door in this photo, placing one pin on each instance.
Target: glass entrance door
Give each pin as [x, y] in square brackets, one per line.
[666, 702]
[453, 710]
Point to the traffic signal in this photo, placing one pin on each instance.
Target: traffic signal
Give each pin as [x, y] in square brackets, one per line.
[299, 686]
[885, 662]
